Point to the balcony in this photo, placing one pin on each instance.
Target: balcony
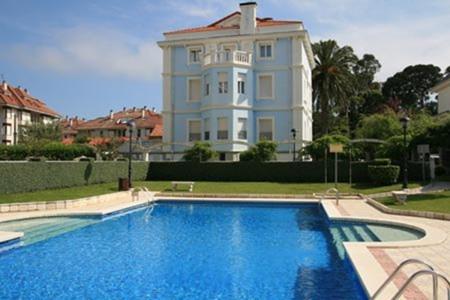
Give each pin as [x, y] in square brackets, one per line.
[242, 58]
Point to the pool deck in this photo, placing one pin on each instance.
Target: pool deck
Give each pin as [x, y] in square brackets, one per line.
[373, 261]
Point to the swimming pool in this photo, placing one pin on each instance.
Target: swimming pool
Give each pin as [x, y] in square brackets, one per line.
[195, 250]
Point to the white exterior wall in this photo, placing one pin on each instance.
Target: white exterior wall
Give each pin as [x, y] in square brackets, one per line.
[444, 99]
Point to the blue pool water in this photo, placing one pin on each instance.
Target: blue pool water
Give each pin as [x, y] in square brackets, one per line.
[193, 251]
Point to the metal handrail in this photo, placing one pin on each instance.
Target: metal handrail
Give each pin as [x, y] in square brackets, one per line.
[435, 275]
[391, 277]
[334, 190]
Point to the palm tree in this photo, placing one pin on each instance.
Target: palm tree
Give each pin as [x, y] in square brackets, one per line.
[333, 80]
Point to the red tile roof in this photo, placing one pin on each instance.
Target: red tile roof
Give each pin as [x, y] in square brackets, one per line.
[20, 98]
[260, 22]
[144, 119]
[70, 125]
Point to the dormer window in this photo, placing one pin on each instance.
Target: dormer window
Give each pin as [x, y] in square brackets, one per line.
[265, 50]
[194, 55]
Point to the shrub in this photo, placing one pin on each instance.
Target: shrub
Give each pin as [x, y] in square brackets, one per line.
[440, 171]
[380, 162]
[383, 174]
[59, 151]
[261, 152]
[200, 151]
[14, 152]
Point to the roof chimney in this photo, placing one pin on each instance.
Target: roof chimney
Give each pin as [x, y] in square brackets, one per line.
[248, 17]
[111, 114]
[4, 85]
[143, 113]
[124, 108]
[134, 108]
[71, 122]
[153, 109]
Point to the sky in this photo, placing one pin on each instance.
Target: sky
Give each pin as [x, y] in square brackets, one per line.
[85, 57]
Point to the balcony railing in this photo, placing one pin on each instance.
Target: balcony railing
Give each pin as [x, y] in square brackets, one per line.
[227, 57]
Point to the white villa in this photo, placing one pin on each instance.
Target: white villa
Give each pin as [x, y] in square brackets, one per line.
[443, 91]
[236, 81]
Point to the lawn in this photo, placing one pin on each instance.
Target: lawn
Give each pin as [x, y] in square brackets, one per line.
[200, 187]
[436, 202]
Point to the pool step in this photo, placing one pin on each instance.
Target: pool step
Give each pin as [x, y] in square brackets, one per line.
[36, 230]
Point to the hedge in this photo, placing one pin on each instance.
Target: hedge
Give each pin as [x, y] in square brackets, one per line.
[17, 177]
[383, 174]
[255, 171]
[266, 171]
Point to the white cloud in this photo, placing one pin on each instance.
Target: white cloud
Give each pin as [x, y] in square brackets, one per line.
[398, 34]
[92, 50]
[399, 43]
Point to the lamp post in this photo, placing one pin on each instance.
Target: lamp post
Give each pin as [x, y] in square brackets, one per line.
[405, 120]
[130, 124]
[294, 135]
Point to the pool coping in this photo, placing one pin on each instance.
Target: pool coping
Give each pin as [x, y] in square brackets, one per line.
[368, 269]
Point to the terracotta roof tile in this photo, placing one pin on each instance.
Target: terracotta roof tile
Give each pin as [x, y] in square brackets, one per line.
[148, 120]
[260, 22]
[18, 98]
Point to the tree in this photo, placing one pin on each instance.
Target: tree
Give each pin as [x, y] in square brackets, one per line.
[262, 151]
[200, 151]
[365, 70]
[379, 126]
[333, 81]
[412, 85]
[39, 134]
[447, 71]
[319, 146]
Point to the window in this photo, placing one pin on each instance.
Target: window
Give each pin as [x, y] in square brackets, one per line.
[265, 86]
[195, 133]
[7, 130]
[206, 129]
[241, 83]
[222, 128]
[223, 83]
[265, 50]
[265, 129]
[206, 80]
[194, 55]
[194, 89]
[242, 128]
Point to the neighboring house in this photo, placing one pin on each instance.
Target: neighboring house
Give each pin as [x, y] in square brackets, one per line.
[443, 91]
[18, 109]
[69, 128]
[148, 125]
[148, 131]
[237, 81]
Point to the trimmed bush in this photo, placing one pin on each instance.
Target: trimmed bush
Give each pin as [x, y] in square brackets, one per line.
[18, 177]
[380, 162]
[384, 174]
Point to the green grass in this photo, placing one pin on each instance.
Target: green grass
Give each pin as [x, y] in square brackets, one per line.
[200, 187]
[435, 202]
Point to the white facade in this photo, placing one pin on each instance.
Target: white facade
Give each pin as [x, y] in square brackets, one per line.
[443, 90]
[236, 82]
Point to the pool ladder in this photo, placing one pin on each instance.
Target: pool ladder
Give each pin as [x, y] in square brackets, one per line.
[329, 192]
[429, 270]
[150, 203]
